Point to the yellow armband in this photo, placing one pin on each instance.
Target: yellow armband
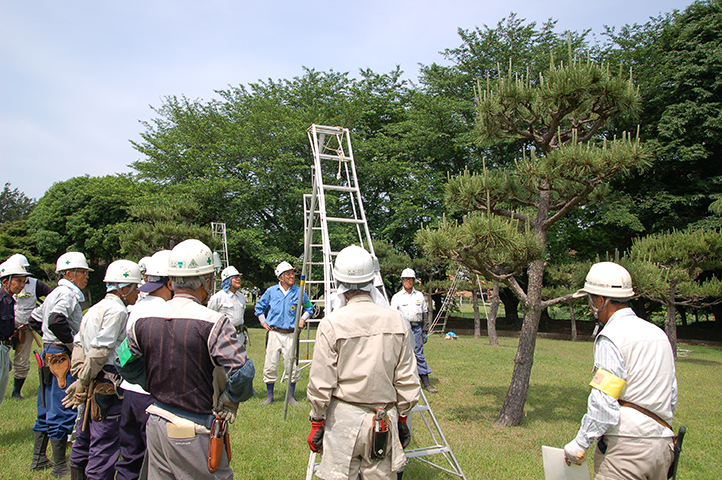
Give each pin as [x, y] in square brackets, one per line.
[608, 383]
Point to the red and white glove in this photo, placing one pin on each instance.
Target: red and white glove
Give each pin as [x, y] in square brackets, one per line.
[574, 453]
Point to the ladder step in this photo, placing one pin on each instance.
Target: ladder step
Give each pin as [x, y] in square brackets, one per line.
[326, 156]
[345, 220]
[339, 188]
[421, 452]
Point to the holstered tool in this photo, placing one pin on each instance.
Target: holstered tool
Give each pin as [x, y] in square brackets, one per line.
[379, 435]
[41, 374]
[218, 436]
[86, 410]
[59, 364]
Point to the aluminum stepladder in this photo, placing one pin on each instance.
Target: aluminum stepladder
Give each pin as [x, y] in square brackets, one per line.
[334, 218]
[443, 313]
[219, 232]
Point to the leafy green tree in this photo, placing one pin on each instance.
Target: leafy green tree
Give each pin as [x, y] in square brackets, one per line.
[509, 211]
[676, 65]
[14, 205]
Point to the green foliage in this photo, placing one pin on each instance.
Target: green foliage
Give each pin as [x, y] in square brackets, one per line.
[14, 205]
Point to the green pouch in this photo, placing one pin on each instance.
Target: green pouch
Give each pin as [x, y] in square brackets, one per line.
[124, 353]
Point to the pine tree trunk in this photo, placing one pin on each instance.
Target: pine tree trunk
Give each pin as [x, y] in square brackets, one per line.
[670, 326]
[477, 319]
[513, 409]
[493, 312]
[573, 320]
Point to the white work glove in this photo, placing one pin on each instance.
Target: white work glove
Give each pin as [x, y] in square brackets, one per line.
[574, 453]
[226, 408]
[76, 395]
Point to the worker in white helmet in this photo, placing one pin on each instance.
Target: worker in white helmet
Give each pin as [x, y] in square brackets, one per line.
[412, 304]
[13, 277]
[634, 388]
[173, 353]
[363, 369]
[58, 318]
[158, 289]
[230, 300]
[25, 303]
[96, 447]
[276, 310]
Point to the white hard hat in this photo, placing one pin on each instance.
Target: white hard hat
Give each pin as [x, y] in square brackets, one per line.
[408, 273]
[157, 266]
[143, 264]
[229, 272]
[607, 279]
[282, 267]
[123, 271]
[20, 258]
[71, 261]
[13, 267]
[354, 265]
[190, 258]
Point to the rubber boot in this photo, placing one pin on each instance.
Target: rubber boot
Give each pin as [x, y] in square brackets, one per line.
[60, 467]
[269, 392]
[427, 385]
[292, 400]
[16, 389]
[77, 473]
[40, 459]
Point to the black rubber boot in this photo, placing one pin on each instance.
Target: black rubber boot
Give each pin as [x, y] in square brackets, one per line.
[269, 392]
[17, 387]
[292, 400]
[77, 473]
[426, 384]
[60, 464]
[40, 459]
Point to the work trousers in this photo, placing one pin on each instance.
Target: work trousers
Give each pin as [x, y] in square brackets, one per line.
[4, 370]
[180, 454]
[21, 360]
[132, 434]
[97, 448]
[632, 458]
[54, 419]
[279, 344]
[421, 364]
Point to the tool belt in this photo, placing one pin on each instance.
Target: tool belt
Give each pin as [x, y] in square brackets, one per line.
[282, 330]
[19, 335]
[103, 397]
[379, 435]
[59, 365]
[652, 415]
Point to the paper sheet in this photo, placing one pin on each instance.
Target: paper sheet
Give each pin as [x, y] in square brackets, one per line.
[555, 467]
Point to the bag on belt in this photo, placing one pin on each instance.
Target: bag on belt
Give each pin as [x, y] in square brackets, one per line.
[59, 365]
[219, 436]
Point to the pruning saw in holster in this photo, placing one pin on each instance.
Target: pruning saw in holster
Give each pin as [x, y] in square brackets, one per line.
[379, 435]
[219, 436]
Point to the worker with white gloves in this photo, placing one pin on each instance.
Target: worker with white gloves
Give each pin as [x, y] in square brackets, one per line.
[276, 310]
[173, 353]
[25, 303]
[157, 290]
[97, 442]
[634, 388]
[363, 360]
[412, 304]
[230, 300]
[58, 318]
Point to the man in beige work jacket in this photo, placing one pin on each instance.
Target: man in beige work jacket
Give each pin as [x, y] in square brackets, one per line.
[363, 360]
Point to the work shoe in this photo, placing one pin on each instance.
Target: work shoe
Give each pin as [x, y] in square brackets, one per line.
[16, 389]
[40, 459]
[60, 464]
[269, 393]
[427, 384]
[292, 400]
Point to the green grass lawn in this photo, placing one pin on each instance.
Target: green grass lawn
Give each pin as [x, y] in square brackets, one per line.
[472, 379]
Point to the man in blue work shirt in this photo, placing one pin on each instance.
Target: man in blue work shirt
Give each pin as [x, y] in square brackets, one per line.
[276, 310]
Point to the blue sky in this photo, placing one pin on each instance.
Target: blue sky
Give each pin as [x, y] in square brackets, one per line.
[77, 77]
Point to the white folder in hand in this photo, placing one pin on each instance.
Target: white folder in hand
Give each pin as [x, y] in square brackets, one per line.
[556, 468]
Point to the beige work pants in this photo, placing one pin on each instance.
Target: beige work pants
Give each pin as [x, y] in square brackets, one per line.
[631, 458]
[279, 344]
